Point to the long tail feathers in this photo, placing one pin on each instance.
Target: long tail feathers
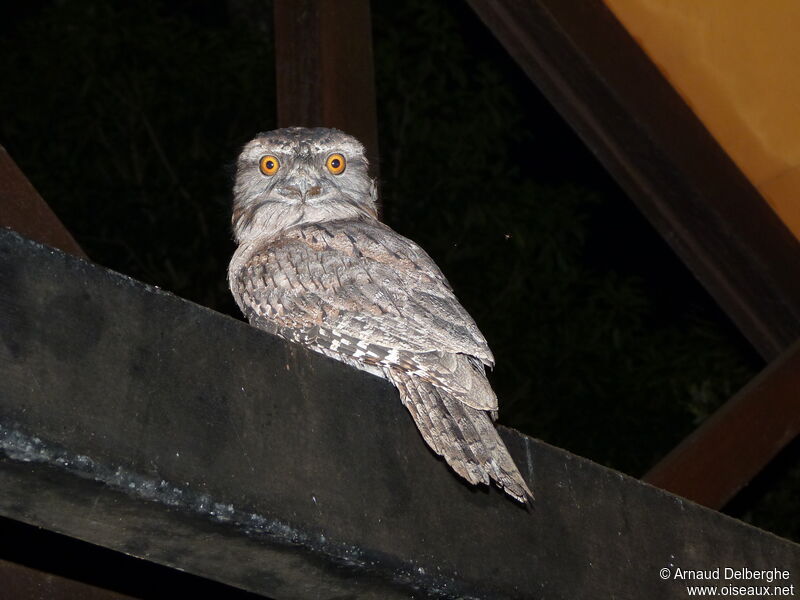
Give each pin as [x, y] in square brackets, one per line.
[465, 437]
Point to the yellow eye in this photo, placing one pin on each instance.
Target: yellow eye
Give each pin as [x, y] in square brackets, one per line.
[336, 164]
[269, 165]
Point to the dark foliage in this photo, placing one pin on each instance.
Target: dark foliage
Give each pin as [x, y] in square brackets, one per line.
[127, 117]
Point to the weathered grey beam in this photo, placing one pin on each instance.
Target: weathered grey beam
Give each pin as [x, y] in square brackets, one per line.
[141, 422]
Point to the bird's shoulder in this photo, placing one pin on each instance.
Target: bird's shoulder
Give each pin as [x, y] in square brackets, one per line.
[369, 241]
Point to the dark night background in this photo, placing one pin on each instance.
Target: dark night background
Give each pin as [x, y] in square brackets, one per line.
[127, 118]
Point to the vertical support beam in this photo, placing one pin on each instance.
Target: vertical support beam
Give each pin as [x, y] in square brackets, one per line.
[324, 72]
[23, 210]
[735, 443]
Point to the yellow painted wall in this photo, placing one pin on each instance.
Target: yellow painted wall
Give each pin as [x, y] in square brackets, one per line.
[737, 64]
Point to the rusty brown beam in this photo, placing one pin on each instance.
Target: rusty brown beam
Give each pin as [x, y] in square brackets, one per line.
[735, 443]
[23, 210]
[324, 69]
[608, 89]
[23, 583]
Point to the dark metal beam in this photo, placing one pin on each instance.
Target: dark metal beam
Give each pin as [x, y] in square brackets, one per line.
[733, 445]
[612, 94]
[144, 423]
[23, 209]
[324, 71]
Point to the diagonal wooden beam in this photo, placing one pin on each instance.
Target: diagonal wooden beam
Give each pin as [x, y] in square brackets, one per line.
[324, 71]
[24, 583]
[608, 89]
[23, 210]
[733, 445]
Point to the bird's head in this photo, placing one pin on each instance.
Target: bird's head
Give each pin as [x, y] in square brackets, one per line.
[293, 176]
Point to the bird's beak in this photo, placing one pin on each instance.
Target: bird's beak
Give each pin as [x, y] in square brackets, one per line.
[309, 189]
[302, 188]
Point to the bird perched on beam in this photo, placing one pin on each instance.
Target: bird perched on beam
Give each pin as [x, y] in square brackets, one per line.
[315, 266]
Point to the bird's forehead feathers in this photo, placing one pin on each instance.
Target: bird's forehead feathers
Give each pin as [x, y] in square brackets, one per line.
[302, 141]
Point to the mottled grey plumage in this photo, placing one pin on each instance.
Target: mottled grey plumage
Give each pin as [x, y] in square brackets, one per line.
[315, 266]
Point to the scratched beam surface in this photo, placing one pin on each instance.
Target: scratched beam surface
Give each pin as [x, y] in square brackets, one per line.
[144, 423]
